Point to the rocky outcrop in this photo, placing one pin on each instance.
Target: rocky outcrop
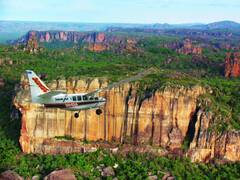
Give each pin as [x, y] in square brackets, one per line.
[168, 176]
[98, 44]
[6, 61]
[186, 47]
[232, 64]
[207, 144]
[93, 41]
[10, 175]
[189, 48]
[107, 172]
[32, 43]
[65, 174]
[146, 120]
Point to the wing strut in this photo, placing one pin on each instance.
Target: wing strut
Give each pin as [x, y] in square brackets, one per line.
[130, 79]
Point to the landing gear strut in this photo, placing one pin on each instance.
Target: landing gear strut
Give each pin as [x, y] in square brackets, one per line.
[98, 111]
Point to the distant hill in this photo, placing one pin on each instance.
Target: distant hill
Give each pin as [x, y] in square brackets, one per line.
[211, 26]
[9, 30]
[224, 25]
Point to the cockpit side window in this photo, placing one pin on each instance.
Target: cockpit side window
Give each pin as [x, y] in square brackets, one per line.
[96, 98]
[91, 98]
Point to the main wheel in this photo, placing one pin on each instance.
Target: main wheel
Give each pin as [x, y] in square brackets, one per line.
[98, 111]
[76, 115]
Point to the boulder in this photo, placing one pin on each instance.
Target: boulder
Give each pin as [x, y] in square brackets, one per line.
[168, 176]
[152, 177]
[65, 174]
[10, 175]
[108, 171]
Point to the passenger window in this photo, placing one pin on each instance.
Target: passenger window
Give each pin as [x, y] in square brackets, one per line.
[85, 98]
[74, 98]
[91, 98]
[79, 98]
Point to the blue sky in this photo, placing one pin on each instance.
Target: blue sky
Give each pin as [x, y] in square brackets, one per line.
[121, 11]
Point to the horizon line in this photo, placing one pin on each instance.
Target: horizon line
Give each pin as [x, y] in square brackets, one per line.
[136, 23]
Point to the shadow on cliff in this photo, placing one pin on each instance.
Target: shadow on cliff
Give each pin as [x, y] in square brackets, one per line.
[191, 130]
[10, 118]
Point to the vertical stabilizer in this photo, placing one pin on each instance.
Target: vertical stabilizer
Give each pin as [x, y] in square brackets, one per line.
[37, 87]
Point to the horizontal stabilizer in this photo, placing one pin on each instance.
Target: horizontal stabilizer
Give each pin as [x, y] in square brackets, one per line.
[51, 94]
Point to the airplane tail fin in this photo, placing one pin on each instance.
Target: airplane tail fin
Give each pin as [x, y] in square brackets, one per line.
[37, 87]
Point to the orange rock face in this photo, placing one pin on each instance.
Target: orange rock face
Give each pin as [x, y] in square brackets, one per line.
[189, 48]
[63, 36]
[131, 45]
[97, 47]
[47, 37]
[32, 44]
[93, 41]
[161, 120]
[207, 145]
[97, 44]
[100, 37]
[232, 64]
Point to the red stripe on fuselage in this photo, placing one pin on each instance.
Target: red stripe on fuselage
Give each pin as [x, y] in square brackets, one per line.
[66, 105]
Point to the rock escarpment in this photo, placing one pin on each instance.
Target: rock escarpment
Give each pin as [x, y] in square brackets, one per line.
[207, 144]
[156, 121]
[189, 48]
[93, 41]
[186, 47]
[232, 64]
[32, 43]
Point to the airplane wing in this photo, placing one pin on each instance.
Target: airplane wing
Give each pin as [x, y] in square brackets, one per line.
[51, 94]
[133, 78]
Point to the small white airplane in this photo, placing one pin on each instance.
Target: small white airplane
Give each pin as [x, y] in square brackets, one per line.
[41, 94]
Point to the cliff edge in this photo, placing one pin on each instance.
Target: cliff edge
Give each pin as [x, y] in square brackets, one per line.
[160, 122]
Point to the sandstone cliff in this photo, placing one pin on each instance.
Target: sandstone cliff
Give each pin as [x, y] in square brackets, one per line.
[32, 43]
[189, 48]
[232, 65]
[186, 47]
[207, 144]
[93, 41]
[157, 122]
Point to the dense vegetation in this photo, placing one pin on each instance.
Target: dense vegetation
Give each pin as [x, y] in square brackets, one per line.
[131, 166]
[67, 62]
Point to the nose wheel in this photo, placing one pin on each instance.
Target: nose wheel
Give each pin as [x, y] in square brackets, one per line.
[98, 111]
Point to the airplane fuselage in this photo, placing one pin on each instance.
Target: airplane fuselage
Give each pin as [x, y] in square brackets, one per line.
[73, 102]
